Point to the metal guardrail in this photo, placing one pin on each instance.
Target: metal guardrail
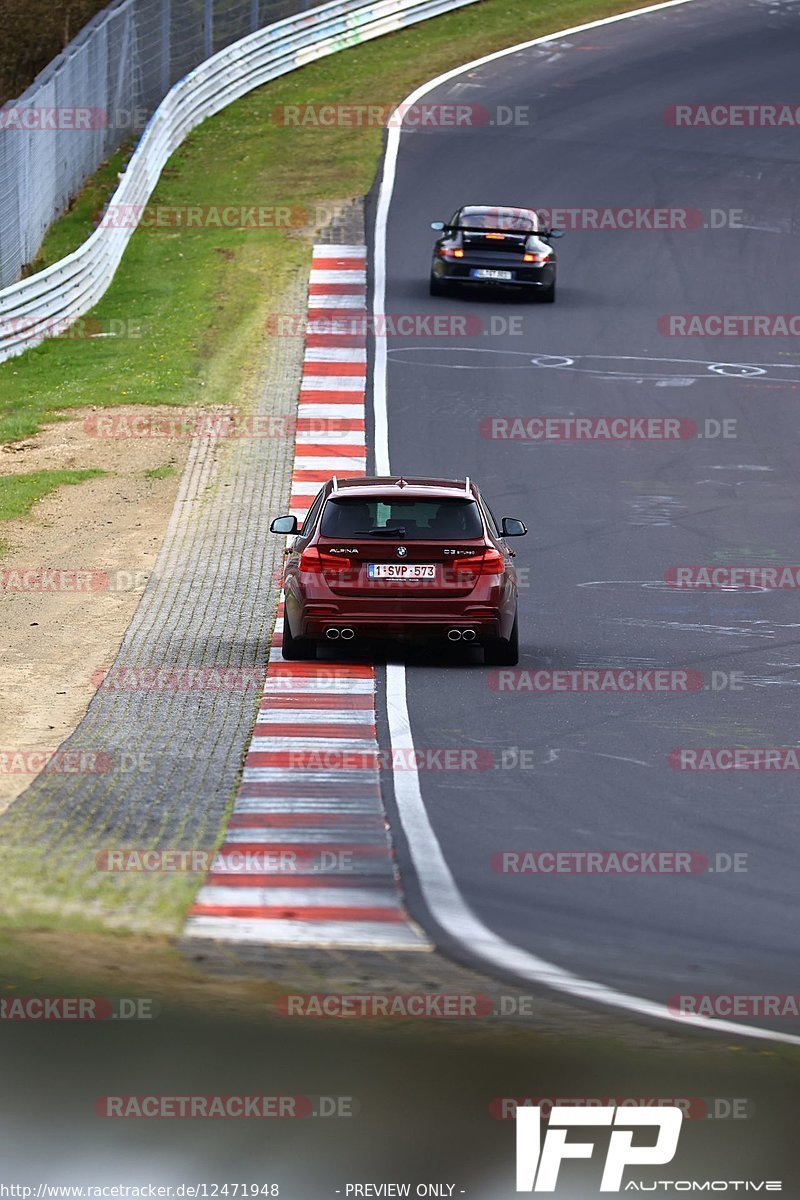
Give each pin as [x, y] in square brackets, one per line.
[45, 304]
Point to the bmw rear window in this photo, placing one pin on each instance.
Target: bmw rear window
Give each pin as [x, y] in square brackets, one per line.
[407, 520]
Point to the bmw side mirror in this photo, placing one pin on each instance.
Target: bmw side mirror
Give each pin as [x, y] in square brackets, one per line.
[437, 225]
[511, 527]
[283, 525]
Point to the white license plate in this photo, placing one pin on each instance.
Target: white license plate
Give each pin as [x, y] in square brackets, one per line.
[401, 571]
[483, 274]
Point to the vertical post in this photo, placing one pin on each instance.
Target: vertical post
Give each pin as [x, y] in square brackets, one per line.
[208, 29]
[165, 46]
[255, 22]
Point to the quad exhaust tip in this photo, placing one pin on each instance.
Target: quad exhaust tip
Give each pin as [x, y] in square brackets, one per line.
[347, 634]
[468, 635]
[331, 634]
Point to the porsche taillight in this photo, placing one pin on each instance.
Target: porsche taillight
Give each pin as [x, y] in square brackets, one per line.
[450, 252]
[536, 258]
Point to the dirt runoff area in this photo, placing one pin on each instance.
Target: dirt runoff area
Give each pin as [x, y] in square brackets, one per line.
[76, 567]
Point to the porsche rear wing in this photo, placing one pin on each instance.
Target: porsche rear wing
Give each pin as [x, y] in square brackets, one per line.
[523, 233]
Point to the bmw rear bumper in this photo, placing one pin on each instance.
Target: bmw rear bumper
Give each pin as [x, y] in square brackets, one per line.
[488, 622]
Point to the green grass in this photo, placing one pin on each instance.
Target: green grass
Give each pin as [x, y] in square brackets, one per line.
[195, 301]
[19, 493]
[160, 472]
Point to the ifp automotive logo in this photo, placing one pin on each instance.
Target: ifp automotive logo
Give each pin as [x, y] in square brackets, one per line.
[538, 1161]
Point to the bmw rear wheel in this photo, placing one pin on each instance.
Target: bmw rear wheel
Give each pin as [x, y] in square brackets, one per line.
[503, 653]
[296, 648]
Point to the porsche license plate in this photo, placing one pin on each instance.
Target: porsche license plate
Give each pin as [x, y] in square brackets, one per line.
[481, 273]
[401, 570]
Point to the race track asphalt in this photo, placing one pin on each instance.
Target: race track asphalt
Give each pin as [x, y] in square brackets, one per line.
[607, 521]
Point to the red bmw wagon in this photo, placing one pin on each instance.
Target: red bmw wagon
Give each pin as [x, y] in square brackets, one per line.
[394, 558]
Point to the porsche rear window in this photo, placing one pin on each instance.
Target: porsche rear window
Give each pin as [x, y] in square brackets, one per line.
[498, 218]
[406, 520]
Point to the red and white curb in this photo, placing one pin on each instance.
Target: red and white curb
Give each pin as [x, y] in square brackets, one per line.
[310, 859]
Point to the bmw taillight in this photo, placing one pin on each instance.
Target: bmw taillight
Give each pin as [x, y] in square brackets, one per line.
[309, 559]
[491, 562]
[316, 560]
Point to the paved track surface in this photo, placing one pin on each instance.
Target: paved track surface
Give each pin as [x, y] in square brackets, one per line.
[608, 520]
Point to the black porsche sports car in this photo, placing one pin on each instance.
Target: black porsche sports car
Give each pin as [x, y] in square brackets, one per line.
[486, 245]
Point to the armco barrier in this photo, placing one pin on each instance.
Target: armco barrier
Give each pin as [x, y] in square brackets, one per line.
[51, 300]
